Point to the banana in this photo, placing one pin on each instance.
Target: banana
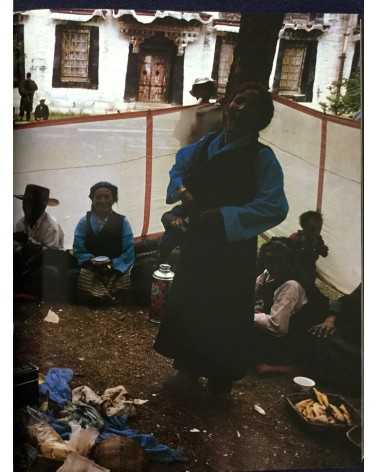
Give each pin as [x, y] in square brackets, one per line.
[304, 402]
[318, 409]
[322, 419]
[321, 397]
[337, 414]
[346, 414]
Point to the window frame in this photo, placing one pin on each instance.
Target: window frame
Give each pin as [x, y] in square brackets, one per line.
[93, 57]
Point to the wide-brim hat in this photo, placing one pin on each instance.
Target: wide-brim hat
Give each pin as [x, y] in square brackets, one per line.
[200, 82]
[38, 193]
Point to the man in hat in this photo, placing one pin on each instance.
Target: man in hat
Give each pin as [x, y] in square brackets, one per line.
[41, 111]
[27, 89]
[34, 233]
[196, 122]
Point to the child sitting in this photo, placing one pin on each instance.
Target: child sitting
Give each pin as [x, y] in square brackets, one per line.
[308, 242]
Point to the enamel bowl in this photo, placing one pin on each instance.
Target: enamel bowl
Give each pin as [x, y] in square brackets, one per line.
[304, 384]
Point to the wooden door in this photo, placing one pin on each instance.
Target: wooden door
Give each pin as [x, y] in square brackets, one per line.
[154, 78]
[292, 69]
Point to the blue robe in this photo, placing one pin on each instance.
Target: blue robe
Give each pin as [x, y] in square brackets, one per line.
[208, 326]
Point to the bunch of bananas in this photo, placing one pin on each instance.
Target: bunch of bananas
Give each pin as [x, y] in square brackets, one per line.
[322, 411]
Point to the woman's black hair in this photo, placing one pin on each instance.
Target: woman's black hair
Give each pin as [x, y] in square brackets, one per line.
[264, 102]
[309, 215]
[107, 185]
[281, 250]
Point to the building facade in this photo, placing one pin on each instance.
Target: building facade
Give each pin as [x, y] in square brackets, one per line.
[99, 61]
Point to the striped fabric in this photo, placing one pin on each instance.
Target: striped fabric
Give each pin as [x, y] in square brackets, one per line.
[96, 286]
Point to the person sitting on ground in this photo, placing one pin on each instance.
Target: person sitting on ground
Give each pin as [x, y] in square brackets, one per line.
[41, 111]
[334, 346]
[104, 248]
[309, 242]
[36, 234]
[282, 311]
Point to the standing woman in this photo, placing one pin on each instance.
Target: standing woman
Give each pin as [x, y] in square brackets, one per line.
[232, 188]
[104, 248]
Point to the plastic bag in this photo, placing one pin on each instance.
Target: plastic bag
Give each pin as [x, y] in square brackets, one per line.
[115, 403]
[48, 440]
[77, 463]
[82, 440]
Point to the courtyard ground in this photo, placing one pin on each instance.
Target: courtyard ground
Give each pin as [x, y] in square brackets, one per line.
[112, 346]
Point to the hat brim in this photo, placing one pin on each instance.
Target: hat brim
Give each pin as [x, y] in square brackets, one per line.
[50, 202]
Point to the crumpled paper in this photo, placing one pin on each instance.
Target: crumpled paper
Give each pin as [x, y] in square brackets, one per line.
[87, 395]
[113, 402]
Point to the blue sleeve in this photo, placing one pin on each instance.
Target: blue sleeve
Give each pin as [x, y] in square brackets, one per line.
[80, 251]
[266, 210]
[126, 260]
[176, 174]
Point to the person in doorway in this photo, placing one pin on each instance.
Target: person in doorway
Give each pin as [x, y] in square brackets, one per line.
[27, 90]
[309, 242]
[232, 188]
[41, 111]
[104, 248]
[36, 237]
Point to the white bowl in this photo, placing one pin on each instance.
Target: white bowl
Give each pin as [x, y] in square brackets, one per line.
[100, 260]
[304, 383]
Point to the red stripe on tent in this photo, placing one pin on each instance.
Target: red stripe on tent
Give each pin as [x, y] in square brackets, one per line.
[323, 148]
[148, 184]
[315, 113]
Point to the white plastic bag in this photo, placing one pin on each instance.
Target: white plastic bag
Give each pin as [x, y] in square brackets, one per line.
[77, 463]
[82, 440]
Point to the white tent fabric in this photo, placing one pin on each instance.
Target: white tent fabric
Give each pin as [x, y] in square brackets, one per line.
[69, 158]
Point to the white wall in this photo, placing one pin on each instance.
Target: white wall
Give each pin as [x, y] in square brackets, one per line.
[330, 47]
[198, 61]
[39, 42]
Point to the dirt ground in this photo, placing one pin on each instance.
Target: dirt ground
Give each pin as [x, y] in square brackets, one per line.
[113, 346]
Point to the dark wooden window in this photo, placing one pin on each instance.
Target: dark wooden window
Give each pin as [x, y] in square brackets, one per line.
[223, 57]
[18, 55]
[292, 69]
[295, 70]
[76, 56]
[356, 64]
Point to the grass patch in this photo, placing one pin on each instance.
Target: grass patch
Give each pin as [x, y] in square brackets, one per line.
[57, 115]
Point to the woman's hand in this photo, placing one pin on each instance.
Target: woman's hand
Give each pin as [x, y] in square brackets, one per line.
[325, 329]
[187, 199]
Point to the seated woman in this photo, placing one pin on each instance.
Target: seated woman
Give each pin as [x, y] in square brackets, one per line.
[104, 248]
[280, 303]
[333, 348]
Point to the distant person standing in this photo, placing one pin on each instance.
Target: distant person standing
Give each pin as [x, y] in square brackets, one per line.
[27, 89]
[41, 111]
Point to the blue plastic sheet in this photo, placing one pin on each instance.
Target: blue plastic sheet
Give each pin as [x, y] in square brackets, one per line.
[117, 425]
[57, 385]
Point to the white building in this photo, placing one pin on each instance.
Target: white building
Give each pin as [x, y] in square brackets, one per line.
[98, 61]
